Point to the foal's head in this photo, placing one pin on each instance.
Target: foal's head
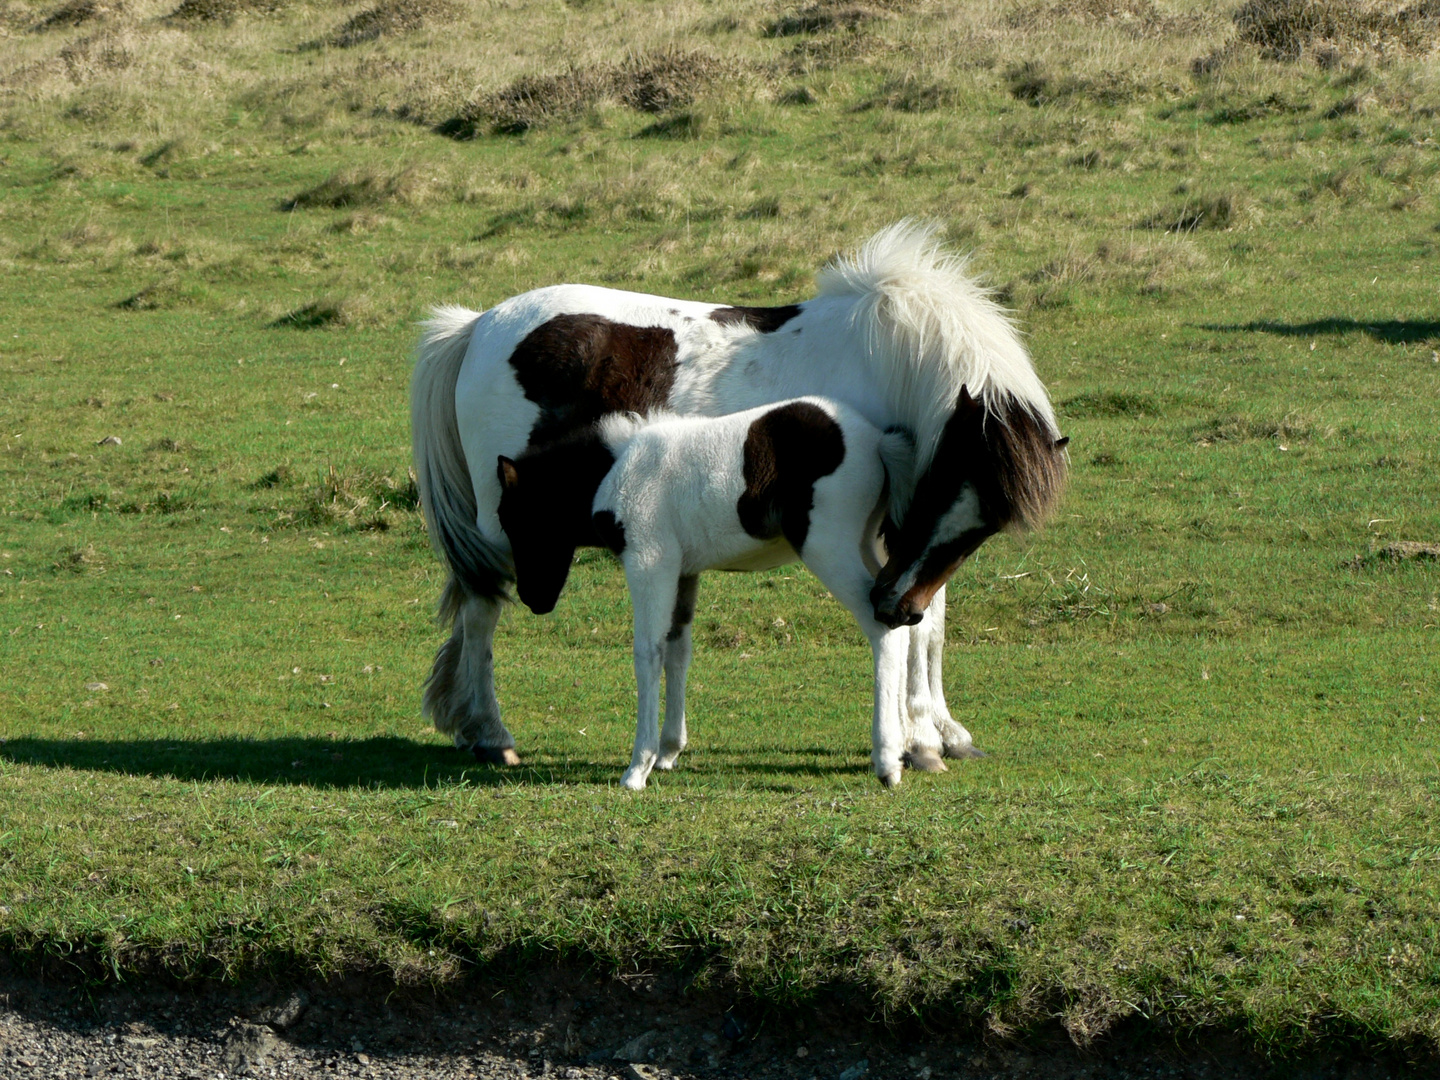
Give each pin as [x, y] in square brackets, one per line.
[545, 500]
[991, 470]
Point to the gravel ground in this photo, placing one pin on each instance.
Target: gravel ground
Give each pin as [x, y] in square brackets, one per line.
[565, 1025]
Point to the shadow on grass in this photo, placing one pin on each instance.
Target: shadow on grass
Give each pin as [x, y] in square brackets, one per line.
[1390, 331]
[366, 763]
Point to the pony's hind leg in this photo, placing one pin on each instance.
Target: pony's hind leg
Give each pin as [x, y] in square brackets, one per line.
[673, 736]
[957, 741]
[460, 693]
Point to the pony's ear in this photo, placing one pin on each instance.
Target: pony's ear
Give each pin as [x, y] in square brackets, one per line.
[508, 474]
[1061, 443]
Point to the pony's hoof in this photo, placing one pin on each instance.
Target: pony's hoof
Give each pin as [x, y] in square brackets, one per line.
[890, 779]
[969, 750]
[496, 755]
[924, 760]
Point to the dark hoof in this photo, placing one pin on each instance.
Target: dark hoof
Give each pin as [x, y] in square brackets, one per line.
[963, 752]
[491, 755]
[924, 761]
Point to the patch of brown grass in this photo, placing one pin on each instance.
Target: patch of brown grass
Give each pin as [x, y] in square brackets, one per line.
[389, 19]
[326, 313]
[83, 559]
[98, 54]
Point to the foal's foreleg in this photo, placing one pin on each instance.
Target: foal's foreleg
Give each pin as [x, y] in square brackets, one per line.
[673, 736]
[460, 693]
[957, 741]
[840, 568]
[652, 595]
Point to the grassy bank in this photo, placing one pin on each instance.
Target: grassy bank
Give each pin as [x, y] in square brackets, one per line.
[1208, 690]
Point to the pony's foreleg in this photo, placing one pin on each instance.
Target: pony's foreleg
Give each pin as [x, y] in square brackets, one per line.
[460, 693]
[923, 744]
[957, 741]
[652, 595]
[673, 736]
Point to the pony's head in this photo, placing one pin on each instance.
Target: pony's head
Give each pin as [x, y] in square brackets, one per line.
[990, 471]
[545, 500]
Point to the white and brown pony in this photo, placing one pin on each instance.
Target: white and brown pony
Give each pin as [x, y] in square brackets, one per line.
[675, 496]
[899, 332]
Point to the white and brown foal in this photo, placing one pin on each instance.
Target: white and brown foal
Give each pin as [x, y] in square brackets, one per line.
[675, 496]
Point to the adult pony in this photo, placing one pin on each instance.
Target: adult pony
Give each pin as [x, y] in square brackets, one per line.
[898, 331]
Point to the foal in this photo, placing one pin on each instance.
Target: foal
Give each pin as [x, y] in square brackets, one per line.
[673, 496]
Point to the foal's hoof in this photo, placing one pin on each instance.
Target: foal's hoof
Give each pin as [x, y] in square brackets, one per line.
[493, 755]
[890, 779]
[969, 750]
[923, 760]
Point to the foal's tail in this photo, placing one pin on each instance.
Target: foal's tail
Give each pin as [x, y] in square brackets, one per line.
[442, 474]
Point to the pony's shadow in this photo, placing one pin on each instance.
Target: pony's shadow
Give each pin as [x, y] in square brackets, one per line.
[1389, 331]
[381, 762]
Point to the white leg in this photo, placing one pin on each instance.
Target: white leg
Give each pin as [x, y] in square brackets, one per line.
[923, 744]
[652, 595]
[673, 736]
[460, 693]
[841, 570]
[957, 741]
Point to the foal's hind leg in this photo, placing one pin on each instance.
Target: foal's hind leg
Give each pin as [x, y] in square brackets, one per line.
[957, 741]
[460, 693]
[673, 736]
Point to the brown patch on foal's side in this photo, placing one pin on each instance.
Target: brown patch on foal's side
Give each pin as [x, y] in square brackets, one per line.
[577, 368]
[786, 451]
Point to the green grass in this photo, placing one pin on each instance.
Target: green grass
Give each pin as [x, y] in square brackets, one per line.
[1209, 696]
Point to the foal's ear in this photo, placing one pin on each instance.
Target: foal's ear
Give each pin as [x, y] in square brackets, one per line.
[965, 402]
[1061, 443]
[508, 474]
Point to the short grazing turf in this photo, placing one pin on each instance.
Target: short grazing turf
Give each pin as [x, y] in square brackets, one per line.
[1208, 690]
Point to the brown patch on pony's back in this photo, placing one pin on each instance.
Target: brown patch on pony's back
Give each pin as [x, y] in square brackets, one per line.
[577, 368]
[764, 319]
[786, 451]
[1030, 467]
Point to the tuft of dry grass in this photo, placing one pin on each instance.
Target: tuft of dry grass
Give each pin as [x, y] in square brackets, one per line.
[80, 559]
[368, 187]
[655, 82]
[326, 313]
[360, 499]
[817, 18]
[79, 12]
[203, 11]
[1287, 29]
[389, 19]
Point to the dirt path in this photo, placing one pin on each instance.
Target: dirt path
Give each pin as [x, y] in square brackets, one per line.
[569, 1026]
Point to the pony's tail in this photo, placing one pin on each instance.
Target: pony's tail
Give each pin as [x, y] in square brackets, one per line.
[447, 493]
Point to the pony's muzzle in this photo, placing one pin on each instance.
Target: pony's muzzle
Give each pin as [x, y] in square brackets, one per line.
[893, 611]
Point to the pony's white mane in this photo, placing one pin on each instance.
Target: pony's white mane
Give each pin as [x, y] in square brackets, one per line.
[934, 329]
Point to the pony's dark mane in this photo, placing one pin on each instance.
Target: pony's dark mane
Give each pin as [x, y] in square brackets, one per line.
[1030, 466]
[569, 471]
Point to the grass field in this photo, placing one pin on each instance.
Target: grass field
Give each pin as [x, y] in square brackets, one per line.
[1211, 690]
